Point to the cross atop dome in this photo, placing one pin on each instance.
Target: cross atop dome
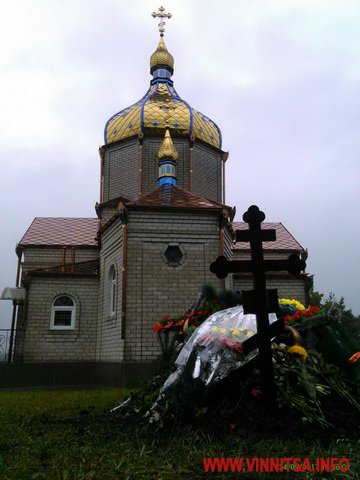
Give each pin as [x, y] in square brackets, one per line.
[161, 107]
[162, 15]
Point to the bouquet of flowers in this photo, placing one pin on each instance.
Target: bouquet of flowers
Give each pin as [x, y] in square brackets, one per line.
[295, 313]
[216, 348]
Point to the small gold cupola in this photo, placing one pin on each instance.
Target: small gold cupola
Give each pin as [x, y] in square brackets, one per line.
[167, 157]
[161, 61]
[161, 58]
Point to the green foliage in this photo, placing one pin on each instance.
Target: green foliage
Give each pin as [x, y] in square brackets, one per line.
[316, 298]
[227, 298]
[311, 386]
[331, 303]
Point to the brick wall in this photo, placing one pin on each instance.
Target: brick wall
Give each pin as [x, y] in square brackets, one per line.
[44, 257]
[154, 288]
[107, 213]
[244, 254]
[228, 252]
[110, 344]
[207, 172]
[41, 344]
[121, 168]
[288, 286]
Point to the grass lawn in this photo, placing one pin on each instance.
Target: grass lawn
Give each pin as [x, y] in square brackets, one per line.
[66, 435]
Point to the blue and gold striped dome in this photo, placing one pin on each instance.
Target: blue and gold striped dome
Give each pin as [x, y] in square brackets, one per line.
[161, 108]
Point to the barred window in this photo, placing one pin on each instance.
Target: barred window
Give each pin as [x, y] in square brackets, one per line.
[63, 313]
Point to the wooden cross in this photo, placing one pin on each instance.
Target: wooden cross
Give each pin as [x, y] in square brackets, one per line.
[259, 301]
[161, 15]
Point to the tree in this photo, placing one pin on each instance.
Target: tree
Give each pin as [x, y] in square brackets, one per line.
[351, 321]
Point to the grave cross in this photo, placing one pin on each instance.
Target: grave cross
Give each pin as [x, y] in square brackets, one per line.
[259, 301]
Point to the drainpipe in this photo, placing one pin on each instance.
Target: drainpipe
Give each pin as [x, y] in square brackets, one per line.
[123, 281]
[12, 332]
[224, 157]
[102, 156]
[222, 252]
[72, 259]
[14, 310]
[63, 261]
[19, 255]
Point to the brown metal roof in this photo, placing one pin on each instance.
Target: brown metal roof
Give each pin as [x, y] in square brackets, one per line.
[113, 202]
[174, 197]
[284, 239]
[50, 231]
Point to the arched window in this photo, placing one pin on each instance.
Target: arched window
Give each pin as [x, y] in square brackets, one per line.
[113, 290]
[63, 313]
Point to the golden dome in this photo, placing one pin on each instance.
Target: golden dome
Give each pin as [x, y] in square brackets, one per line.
[161, 56]
[167, 150]
[161, 108]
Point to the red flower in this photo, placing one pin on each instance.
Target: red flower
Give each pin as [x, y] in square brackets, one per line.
[254, 392]
[226, 342]
[170, 324]
[180, 323]
[157, 327]
[238, 346]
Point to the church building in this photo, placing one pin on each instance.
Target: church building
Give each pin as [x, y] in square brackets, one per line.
[94, 287]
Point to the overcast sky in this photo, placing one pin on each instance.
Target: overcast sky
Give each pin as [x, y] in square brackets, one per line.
[280, 78]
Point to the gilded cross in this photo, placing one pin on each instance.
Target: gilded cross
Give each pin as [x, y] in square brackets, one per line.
[162, 15]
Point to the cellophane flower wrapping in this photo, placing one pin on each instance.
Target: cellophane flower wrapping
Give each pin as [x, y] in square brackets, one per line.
[215, 348]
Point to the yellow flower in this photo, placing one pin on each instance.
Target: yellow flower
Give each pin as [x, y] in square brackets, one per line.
[249, 333]
[292, 302]
[236, 332]
[222, 330]
[214, 329]
[298, 350]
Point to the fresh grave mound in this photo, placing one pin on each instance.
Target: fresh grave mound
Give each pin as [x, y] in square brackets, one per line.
[214, 381]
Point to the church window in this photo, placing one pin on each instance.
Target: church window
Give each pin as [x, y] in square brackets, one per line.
[167, 168]
[63, 313]
[113, 289]
[173, 255]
